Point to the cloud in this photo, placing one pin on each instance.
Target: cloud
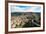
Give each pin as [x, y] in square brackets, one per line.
[36, 9]
[25, 8]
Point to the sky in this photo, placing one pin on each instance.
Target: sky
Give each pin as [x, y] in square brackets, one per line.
[25, 8]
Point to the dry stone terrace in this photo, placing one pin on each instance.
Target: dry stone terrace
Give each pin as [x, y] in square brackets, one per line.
[17, 20]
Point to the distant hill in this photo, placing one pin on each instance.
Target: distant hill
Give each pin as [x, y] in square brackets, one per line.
[20, 13]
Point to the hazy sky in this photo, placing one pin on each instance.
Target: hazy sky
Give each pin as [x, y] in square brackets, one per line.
[25, 8]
